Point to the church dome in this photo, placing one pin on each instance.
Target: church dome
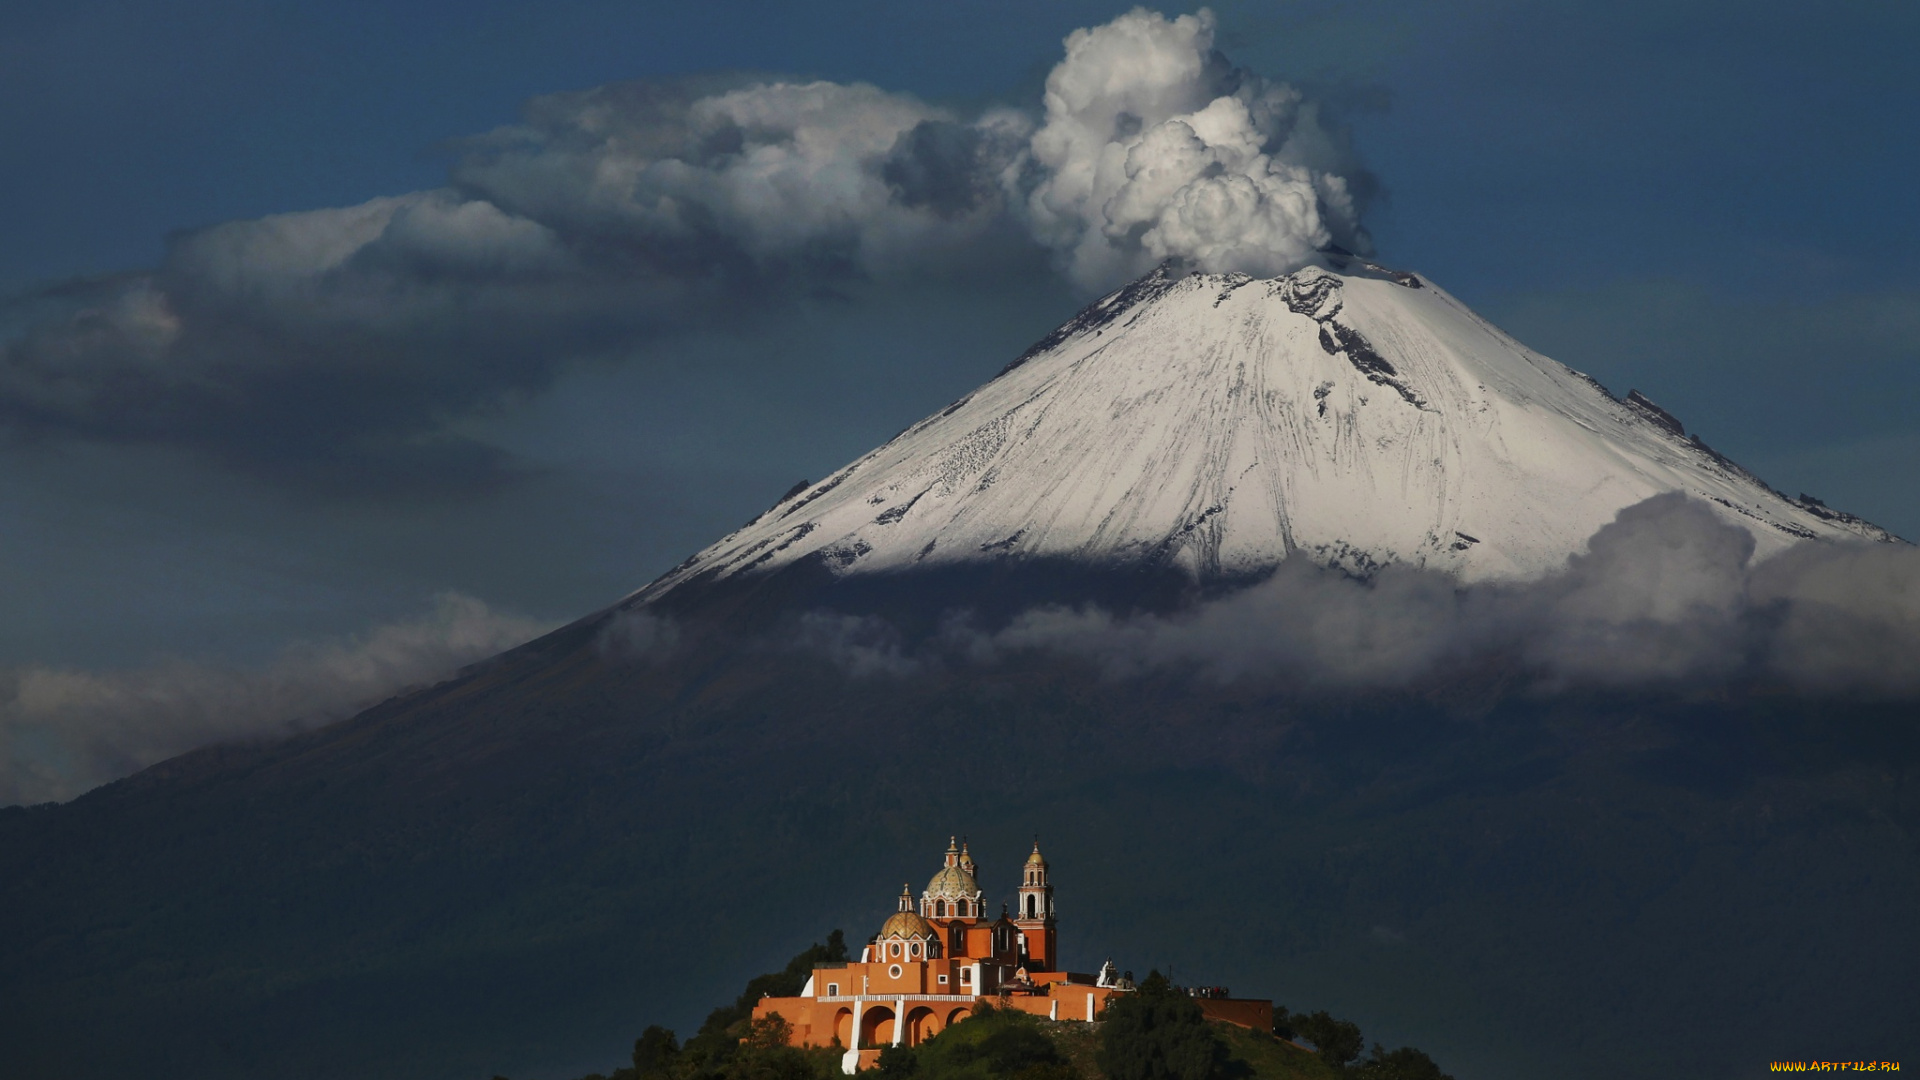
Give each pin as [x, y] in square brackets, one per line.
[907, 924]
[952, 883]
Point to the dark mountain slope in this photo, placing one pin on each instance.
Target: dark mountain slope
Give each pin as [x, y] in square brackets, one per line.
[517, 870]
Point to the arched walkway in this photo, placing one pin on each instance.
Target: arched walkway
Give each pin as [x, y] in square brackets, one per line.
[843, 1027]
[922, 1025]
[957, 1015]
[876, 1026]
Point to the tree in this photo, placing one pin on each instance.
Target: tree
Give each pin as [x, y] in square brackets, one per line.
[1283, 1022]
[763, 1054]
[719, 1036]
[1405, 1063]
[1336, 1041]
[1158, 1033]
[654, 1052]
[768, 1033]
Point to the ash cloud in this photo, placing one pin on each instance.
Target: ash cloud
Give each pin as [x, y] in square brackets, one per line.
[65, 731]
[1664, 597]
[346, 346]
[1155, 146]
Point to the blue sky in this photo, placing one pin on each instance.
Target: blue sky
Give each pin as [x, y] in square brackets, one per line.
[1707, 201]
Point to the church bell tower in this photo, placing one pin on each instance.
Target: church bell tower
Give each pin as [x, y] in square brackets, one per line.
[1034, 916]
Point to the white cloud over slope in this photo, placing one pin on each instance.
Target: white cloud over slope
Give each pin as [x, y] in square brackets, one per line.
[64, 731]
[1665, 596]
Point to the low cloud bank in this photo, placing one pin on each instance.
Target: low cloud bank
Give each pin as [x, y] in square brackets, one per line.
[348, 343]
[64, 731]
[638, 635]
[863, 645]
[1665, 596]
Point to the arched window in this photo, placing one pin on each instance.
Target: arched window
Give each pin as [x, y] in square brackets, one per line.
[1030, 907]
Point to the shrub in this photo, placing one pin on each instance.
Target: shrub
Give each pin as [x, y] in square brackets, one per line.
[1336, 1041]
[1283, 1022]
[1158, 1033]
[994, 1043]
[897, 1061]
[1405, 1063]
[654, 1053]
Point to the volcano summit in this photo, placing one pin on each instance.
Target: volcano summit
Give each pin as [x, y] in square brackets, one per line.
[1345, 413]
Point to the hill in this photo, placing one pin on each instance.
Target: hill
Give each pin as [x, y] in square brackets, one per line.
[1154, 1033]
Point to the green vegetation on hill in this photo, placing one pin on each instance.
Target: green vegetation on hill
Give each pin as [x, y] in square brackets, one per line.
[1337, 1043]
[996, 1043]
[1158, 1033]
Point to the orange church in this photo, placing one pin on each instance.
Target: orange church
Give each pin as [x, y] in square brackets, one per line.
[933, 963]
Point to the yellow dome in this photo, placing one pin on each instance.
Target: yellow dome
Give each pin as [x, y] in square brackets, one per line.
[1035, 859]
[907, 924]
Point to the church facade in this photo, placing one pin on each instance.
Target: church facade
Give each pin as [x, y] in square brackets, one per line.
[937, 959]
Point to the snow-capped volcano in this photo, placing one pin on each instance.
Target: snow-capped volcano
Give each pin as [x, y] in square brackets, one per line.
[1345, 413]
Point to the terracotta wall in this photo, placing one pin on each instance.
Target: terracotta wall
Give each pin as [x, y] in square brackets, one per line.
[1248, 1013]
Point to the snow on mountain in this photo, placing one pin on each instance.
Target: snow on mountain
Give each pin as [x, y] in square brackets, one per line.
[1345, 413]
